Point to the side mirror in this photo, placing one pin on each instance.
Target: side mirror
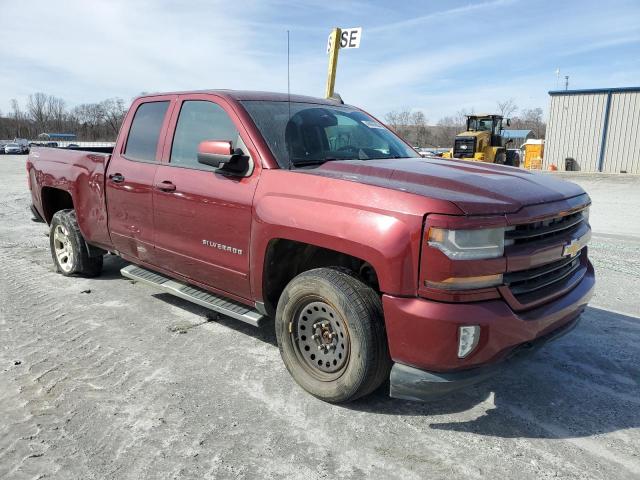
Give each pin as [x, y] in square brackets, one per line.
[221, 155]
[508, 122]
[215, 153]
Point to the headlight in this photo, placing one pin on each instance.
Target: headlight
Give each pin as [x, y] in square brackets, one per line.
[468, 244]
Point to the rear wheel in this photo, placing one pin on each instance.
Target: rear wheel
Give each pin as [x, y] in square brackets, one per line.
[330, 331]
[68, 248]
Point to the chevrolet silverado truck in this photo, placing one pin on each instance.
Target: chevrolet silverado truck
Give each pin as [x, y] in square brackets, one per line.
[372, 263]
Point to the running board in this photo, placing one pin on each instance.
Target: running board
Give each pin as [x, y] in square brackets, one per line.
[206, 299]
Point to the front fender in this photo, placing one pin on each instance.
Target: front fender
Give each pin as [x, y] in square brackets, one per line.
[389, 242]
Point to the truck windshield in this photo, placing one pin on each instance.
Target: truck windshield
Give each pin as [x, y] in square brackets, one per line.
[480, 125]
[302, 134]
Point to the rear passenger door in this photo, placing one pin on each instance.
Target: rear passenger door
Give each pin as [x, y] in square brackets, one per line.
[203, 218]
[130, 174]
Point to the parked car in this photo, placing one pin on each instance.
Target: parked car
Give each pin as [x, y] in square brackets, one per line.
[3, 143]
[13, 148]
[24, 144]
[373, 263]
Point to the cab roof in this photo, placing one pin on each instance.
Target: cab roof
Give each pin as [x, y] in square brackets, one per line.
[243, 95]
[482, 115]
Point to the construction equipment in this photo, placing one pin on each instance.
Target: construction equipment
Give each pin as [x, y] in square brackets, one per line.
[483, 141]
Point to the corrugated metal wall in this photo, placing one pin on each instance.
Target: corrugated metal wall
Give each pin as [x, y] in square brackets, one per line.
[578, 122]
[622, 147]
[574, 130]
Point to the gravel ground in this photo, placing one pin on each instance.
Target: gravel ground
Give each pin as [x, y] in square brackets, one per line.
[104, 378]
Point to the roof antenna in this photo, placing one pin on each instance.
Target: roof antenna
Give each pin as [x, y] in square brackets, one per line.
[288, 91]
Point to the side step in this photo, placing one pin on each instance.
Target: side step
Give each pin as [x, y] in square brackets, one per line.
[222, 305]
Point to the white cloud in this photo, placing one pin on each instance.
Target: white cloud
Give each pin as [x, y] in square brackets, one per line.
[465, 54]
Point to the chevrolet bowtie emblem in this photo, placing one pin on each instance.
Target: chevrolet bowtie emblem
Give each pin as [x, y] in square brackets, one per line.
[573, 247]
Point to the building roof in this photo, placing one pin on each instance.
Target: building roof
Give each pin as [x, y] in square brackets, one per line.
[58, 136]
[594, 90]
[510, 133]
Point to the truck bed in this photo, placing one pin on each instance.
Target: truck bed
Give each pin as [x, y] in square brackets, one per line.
[81, 174]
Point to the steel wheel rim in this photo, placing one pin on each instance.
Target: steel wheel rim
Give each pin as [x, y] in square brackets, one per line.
[321, 339]
[62, 248]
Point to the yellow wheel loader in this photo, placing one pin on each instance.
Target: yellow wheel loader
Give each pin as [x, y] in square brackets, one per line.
[483, 141]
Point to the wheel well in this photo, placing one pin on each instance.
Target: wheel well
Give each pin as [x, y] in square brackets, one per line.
[54, 200]
[287, 258]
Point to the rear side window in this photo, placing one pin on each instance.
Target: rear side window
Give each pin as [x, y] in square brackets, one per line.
[144, 133]
[199, 121]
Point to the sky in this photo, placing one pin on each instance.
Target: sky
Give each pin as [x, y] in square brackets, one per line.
[436, 56]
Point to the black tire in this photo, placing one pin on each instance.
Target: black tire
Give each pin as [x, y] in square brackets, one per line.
[65, 238]
[356, 319]
[500, 158]
[513, 158]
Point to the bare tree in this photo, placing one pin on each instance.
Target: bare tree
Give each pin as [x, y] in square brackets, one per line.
[56, 112]
[412, 126]
[37, 110]
[531, 119]
[418, 122]
[507, 107]
[398, 120]
[114, 111]
[89, 117]
[19, 126]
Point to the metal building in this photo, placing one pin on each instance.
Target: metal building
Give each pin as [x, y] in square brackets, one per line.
[518, 136]
[598, 130]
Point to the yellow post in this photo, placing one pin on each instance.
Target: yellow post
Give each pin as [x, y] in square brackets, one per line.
[333, 62]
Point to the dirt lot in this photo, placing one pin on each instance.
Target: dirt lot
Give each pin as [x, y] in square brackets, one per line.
[108, 379]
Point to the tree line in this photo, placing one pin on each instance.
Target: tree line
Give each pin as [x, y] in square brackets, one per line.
[50, 114]
[101, 121]
[413, 125]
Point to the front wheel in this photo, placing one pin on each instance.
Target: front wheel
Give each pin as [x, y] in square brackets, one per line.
[330, 331]
[68, 248]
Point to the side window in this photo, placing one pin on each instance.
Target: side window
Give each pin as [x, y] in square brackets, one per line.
[199, 121]
[144, 133]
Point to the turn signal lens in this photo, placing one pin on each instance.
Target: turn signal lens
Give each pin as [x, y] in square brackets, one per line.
[466, 283]
[468, 337]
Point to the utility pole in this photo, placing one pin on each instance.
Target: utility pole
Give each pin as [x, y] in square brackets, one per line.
[566, 82]
[334, 48]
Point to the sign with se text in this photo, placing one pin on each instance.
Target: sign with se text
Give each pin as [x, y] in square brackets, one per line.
[349, 38]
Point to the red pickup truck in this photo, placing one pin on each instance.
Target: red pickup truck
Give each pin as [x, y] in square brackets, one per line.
[373, 262]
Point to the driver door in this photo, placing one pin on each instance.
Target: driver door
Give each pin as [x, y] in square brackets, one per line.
[203, 218]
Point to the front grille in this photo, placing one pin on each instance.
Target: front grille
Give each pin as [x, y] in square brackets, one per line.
[544, 282]
[464, 147]
[545, 229]
[533, 279]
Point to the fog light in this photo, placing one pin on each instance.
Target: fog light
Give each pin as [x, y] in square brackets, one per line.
[468, 337]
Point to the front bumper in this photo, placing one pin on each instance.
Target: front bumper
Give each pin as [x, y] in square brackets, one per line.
[411, 383]
[423, 337]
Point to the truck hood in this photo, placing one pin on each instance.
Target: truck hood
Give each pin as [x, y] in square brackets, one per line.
[475, 188]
